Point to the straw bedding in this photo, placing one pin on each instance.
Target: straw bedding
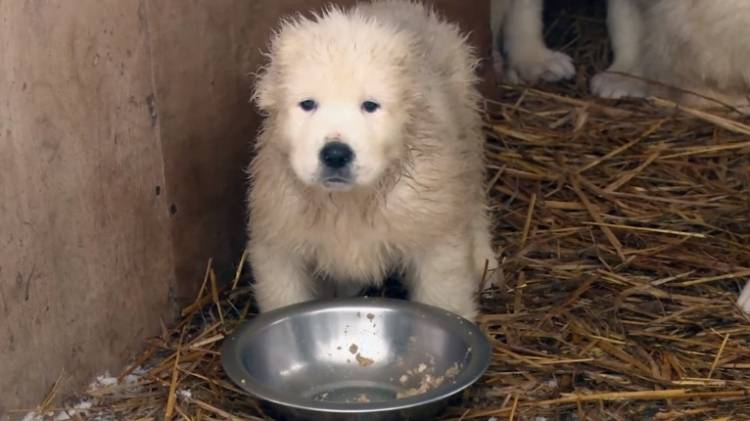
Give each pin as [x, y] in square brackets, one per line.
[624, 237]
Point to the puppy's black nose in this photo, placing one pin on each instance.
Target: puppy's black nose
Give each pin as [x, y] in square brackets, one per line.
[336, 155]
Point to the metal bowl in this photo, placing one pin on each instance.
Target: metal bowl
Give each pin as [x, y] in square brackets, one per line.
[356, 359]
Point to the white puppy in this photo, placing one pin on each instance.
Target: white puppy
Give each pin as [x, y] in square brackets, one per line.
[517, 30]
[685, 45]
[370, 159]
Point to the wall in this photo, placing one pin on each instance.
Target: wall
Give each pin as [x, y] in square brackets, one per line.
[85, 256]
[125, 128]
[202, 60]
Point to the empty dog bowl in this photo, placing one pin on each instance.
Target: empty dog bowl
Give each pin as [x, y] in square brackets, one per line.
[356, 359]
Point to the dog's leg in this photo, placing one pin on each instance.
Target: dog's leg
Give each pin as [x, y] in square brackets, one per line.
[444, 276]
[744, 299]
[625, 25]
[529, 59]
[498, 11]
[280, 278]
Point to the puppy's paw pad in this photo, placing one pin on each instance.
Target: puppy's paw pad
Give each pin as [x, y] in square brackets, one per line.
[744, 299]
[616, 86]
[547, 65]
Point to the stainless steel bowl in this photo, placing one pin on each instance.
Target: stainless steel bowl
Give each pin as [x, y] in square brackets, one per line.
[356, 359]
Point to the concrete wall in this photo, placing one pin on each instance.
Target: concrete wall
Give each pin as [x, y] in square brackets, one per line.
[124, 130]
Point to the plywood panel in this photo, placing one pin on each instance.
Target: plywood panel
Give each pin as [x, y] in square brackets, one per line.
[85, 256]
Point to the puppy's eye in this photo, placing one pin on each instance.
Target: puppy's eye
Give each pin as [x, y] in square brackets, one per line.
[308, 105]
[370, 106]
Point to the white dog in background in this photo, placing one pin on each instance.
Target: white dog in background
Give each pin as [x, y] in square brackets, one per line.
[698, 46]
[520, 54]
[684, 45]
[370, 159]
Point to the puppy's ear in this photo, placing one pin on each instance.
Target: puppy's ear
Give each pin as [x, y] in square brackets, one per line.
[265, 95]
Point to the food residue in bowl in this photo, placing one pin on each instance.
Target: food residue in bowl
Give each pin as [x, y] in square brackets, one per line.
[426, 378]
[361, 359]
[427, 383]
[362, 399]
[364, 361]
[453, 370]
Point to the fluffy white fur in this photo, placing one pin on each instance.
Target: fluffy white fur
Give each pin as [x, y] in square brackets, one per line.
[517, 30]
[688, 45]
[415, 202]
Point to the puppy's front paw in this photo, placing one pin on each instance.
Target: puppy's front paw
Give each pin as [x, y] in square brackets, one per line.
[469, 313]
[280, 278]
[444, 277]
[457, 298]
[744, 299]
[617, 86]
[544, 64]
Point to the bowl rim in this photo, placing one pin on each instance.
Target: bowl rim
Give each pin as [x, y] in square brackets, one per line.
[479, 360]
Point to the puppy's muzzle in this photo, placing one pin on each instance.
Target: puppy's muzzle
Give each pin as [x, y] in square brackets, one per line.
[336, 159]
[336, 155]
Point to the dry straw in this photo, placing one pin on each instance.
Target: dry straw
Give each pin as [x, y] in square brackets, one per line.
[624, 241]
